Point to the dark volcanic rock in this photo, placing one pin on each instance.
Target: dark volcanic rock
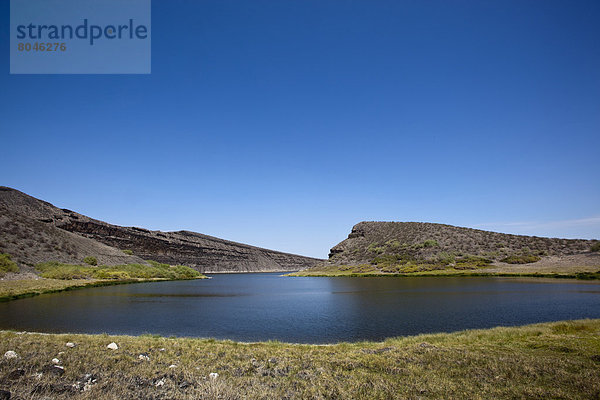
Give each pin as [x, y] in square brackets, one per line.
[53, 370]
[15, 374]
[51, 233]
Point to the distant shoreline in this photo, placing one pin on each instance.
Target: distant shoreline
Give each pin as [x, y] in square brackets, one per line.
[249, 272]
[590, 276]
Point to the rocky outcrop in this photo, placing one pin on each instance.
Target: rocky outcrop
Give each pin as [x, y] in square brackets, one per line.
[202, 252]
[429, 241]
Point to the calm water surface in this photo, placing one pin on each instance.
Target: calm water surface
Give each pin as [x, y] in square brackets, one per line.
[252, 307]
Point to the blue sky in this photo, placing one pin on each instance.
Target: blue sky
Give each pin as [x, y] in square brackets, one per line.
[283, 123]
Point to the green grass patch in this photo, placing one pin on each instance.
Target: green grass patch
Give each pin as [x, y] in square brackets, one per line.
[56, 270]
[521, 259]
[91, 260]
[7, 264]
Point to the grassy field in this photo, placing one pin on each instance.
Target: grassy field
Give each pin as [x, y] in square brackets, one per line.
[57, 277]
[553, 360]
[367, 270]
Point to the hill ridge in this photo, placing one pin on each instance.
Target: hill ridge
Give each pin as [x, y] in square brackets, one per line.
[429, 241]
[27, 219]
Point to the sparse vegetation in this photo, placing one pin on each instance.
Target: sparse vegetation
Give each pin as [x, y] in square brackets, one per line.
[398, 264]
[393, 244]
[446, 258]
[422, 243]
[128, 252]
[595, 247]
[7, 264]
[375, 248]
[91, 260]
[470, 261]
[551, 360]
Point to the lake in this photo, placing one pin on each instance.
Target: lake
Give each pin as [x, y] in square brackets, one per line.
[256, 307]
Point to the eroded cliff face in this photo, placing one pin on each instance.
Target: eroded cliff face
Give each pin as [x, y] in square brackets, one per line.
[202, 252]
[69, 229]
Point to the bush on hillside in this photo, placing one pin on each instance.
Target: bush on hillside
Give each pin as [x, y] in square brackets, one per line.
[521, 259]
[7, 264]
[91, 260]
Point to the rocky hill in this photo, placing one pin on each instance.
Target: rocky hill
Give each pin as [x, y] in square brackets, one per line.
[33, 231]
[401, 242]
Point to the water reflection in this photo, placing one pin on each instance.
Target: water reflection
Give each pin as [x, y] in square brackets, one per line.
[252, 307]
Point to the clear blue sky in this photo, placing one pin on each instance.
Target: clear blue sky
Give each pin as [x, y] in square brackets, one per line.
[283, 123]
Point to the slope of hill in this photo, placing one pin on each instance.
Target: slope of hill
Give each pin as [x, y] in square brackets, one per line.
[32, 231]
[416, 247]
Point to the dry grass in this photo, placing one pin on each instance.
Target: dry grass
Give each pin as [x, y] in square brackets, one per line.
[554, 360]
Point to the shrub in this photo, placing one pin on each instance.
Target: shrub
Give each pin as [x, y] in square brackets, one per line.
[386, 260]
[105, 274]
[469, 261]
[393, 244]
[7, 264]
[91, 260]
[430, 243]
[185, 272]
[445, 258]
[595, 247]
[156, 264]
[375, 248]
[128, 252]
[521, 259]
